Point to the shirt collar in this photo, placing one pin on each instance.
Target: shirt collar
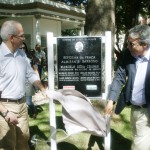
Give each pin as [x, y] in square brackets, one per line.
[147, 56]
[6, 50]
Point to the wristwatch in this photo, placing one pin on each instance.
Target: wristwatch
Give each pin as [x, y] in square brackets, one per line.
[4, 114]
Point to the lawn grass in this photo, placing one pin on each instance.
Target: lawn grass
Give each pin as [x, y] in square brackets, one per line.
[120, 132]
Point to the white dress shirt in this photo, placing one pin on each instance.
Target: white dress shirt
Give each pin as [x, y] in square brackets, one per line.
[14, 70]
[138, 94]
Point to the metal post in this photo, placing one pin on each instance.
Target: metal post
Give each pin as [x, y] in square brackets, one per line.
[108, 69]
[51, 82]
[108, 62]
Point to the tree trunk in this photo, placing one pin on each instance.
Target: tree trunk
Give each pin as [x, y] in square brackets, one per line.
[100, 17]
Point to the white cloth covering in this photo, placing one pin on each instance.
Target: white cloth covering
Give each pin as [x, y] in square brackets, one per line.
[78, 113]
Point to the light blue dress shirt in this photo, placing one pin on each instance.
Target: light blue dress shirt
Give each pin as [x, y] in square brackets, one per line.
[14, 70]
[138, 93]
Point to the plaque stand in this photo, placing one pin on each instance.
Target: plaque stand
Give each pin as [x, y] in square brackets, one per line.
[50, 47]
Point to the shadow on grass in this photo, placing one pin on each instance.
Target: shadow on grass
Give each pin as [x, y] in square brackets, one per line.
[66, 146]
[118, 142]
[59, 123]
[35, 133]
[38, 108]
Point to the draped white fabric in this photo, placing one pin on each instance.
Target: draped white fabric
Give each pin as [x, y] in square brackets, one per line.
[78, 113]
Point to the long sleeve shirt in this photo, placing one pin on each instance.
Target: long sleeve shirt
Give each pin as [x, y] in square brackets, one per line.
[14, 70]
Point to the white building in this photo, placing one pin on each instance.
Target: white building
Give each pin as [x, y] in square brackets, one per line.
[41, 16]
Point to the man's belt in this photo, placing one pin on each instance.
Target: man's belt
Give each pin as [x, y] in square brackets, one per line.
[12, 100]
[139, 106]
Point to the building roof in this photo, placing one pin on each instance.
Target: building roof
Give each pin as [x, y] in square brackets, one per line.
[44, 8]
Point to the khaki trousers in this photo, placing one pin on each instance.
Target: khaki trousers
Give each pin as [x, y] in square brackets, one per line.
[140, 122]
[15, 137]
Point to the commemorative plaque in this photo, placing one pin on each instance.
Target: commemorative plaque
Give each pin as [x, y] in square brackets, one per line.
[79, 64]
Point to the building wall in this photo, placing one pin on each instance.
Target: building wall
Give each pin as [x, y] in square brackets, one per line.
[47, 25]
[50, 26]
[30, 29]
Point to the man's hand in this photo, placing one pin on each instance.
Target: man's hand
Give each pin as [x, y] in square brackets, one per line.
[11, 118]
[109, 107]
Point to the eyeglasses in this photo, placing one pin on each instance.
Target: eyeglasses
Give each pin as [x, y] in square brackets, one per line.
[23, 48]
[132, 44]
[18, 36]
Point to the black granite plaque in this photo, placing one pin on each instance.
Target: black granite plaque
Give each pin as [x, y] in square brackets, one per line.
[79, 64]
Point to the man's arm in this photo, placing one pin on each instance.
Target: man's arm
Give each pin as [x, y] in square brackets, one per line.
[40, 86]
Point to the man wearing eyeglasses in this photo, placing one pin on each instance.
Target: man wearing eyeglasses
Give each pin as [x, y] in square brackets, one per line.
[131, 85]
[14, 70]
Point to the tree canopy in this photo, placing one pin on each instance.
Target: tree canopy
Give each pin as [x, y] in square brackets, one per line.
[127, 12]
